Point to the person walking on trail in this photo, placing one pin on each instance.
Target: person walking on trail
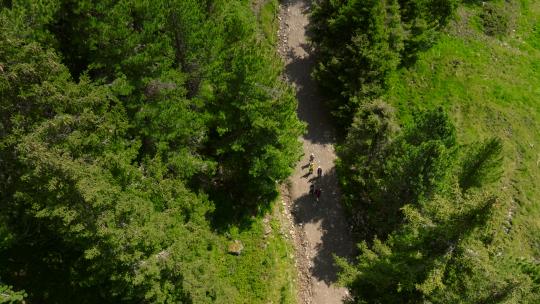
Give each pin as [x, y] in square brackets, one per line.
[310, 168]
[319, 171]
[318, 193]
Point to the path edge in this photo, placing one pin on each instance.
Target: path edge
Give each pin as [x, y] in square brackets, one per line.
[296, 233]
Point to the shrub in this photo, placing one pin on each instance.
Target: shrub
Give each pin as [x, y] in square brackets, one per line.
[495, 19]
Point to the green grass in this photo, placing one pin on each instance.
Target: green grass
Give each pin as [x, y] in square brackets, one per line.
[264, 272]
[268, 20]
[491, 87]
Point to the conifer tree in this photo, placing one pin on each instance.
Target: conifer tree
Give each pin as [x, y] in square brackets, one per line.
[106, 180]
[381, 171]
[363, 154]
[371, 35]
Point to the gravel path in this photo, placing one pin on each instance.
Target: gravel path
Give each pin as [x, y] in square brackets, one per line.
[320, 228]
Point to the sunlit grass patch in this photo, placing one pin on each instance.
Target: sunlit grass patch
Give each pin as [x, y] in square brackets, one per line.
[490, 85]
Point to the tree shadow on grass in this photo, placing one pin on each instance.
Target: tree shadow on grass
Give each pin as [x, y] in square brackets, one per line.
[230, 212]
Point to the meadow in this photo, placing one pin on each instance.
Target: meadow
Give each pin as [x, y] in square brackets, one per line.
[490, 87]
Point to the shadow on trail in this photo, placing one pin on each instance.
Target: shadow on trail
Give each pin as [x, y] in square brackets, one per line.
[309, 102]
[323, 223]
[335, 231]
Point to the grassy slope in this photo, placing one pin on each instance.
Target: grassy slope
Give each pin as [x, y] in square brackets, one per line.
[491, 86]
[268, 20]
[265, 271]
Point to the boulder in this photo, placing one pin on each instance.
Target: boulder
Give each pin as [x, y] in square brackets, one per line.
[236, 247]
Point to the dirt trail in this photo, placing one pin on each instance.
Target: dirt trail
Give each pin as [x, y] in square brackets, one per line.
[321, 228]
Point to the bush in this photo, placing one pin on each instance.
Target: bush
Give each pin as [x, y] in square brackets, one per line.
[495, 20]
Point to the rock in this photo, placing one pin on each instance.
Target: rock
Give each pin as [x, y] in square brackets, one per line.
[155, 87]
[236, 247]
[163, 255]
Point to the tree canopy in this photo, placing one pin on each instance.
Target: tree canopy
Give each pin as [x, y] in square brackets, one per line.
[419, 201]
[374, 38]
[423, 202]
[124, 126]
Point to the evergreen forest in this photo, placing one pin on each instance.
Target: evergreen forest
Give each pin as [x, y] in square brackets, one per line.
[143, 145]
[137, 139]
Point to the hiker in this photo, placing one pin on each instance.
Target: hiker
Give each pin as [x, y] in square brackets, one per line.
[311, 189]
[318, 193]
[311, 157]
[310, 168]
[319, 171]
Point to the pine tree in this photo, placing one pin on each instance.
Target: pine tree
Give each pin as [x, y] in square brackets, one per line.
[110, 171]
[436, 256]
[382, 170]
[362, 155]
[371, 34]
[82, 218]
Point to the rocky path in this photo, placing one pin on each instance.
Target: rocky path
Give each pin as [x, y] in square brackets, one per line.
[320, 228]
